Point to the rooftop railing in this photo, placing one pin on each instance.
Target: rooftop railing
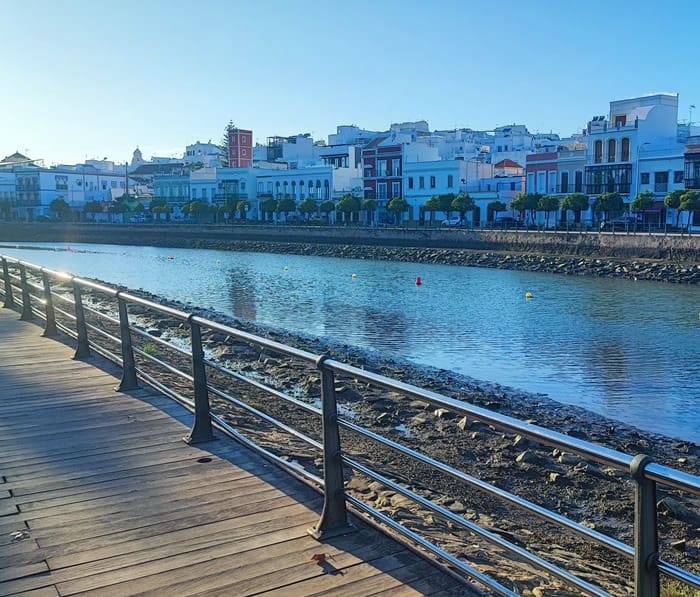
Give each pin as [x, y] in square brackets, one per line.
[103, 319]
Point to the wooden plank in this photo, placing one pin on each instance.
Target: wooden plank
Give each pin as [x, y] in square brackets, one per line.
[191, 517]
[170, 497]
[14, 573]
[92, 548]
[110, 499]
[49, 591]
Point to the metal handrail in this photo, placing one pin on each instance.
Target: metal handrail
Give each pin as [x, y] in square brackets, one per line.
[618, 460]
[645, 473]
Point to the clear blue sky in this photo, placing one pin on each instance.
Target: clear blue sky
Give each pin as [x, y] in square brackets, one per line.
[83, 78]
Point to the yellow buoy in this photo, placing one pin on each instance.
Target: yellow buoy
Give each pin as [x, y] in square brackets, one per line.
[354, 275]
[528, 295]
[285, 268]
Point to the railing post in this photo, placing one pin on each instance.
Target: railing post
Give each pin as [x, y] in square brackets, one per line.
[9, 297]
[27, 314]
[201, 428]
[50, 328]
[82, 351]
[334, 518]
[128, 381]
[646, 540]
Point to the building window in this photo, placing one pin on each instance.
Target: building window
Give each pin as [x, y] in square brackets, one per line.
[381, 168]
[396, 167]
[242, 186]
[564, 182]
[645, 178]
[612, 148]
[396, 189]
[432, 182]
[660, 182]
[578, 182]
[598, 152]
[421, 182]
[530, 182]
[450, 181]
[678, 176]
[625, 150]
[410, 182]
[381, 190]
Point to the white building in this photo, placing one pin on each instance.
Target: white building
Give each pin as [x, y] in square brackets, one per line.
[206, 154]
[76, 185]
[8, 188]
[318, 182]
[636, 147]
[422, 180]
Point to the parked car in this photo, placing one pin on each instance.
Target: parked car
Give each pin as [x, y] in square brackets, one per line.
[43, 219]
[507, 222]
[452, 222]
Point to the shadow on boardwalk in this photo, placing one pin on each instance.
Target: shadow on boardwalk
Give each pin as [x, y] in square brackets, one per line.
[100, 495]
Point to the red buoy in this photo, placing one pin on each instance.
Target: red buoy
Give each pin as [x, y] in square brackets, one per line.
[418, 281]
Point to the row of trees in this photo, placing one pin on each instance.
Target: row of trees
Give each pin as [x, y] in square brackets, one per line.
[348, 207]
[606, 204]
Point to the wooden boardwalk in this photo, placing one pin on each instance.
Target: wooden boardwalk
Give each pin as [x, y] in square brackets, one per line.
[99, 495]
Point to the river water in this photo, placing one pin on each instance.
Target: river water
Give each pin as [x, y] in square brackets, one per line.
[627, 350]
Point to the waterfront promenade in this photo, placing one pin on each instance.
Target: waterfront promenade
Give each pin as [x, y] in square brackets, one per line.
[100, 495]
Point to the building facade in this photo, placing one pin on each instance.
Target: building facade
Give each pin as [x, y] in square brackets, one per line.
[240, 147]
[37, 187]
[382, 173]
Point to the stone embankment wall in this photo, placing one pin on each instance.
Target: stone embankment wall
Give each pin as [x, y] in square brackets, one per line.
[670, 258]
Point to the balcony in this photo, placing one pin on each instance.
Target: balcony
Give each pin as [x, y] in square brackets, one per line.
[568, 188]
[611, 187]
[692, 183]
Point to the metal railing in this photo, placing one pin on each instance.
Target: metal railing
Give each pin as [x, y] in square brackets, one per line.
[37, 292]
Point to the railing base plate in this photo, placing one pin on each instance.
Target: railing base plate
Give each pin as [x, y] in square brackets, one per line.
[191, 440]
[324, 535]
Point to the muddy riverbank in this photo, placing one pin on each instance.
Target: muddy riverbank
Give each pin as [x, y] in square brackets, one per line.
[596, 496]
